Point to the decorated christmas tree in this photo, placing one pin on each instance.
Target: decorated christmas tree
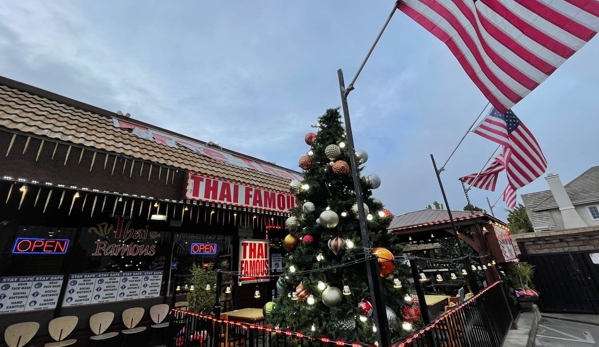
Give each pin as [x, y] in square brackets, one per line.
[324, 287]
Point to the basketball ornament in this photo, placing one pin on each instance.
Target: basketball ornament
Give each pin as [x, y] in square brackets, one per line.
[302, 292]
[336, 244]
[340, 168]
[268, 308]
[310, 137]
[305, 162]
[386, 261]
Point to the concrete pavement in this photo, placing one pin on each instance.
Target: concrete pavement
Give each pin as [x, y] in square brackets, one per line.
[562, 333]
[574, 317]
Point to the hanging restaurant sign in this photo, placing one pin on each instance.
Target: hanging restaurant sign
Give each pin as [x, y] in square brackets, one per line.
[221, 156]
[210, 189]
[203, 248]
[253, 261]
[32, 245]
[124, 233]
[505, 242]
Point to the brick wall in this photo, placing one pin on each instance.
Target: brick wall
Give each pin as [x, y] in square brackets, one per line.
[571, 240]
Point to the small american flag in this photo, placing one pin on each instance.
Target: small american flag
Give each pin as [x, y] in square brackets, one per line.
[508, 47]
[487, 180]
[509, 196]
[524, 159]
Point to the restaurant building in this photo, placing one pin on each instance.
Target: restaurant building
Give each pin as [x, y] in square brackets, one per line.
[100, 212]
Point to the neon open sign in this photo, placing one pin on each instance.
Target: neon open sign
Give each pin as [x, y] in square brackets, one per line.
[203, 248]
[30, 245]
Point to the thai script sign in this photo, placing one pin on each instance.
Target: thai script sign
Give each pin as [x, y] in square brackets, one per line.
[204, 188]
[253, 261]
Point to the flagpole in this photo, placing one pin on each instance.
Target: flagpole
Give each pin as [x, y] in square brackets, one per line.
[350, 87]
[490, 207]
[483, 169]
[463, 137]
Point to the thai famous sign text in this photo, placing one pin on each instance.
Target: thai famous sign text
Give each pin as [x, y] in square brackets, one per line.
[253, 261]
[221, 156]
[204, 188]
[124, 233]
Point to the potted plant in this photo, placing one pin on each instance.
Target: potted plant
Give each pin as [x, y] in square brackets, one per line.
[521, 275]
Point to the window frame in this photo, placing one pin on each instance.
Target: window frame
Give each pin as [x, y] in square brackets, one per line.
[591, 212]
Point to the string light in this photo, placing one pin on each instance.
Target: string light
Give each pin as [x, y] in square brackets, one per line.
[453, 276]
[178, 288]
[208, 287]
[294, 296]
[349, 244]
[310, 153]
[341, 144]
[313, 328]
[346, 290]
[228, 290]
[363, 318]
[381, 214]
[292, 268]
[23, 188]
[408, 298]
[374, 328]
[484, 267]
[321, 286]
[422, 277]
[369, 217]
[76, 195]
[464, 273]
[305, 186]
[396, 283]
[439, 278]
[343, 214]
[473, 268]
[319, 257]
[311, 299]
[257, 293]
[406, 326]
[479, 268]
[493, 262]
[192, 288]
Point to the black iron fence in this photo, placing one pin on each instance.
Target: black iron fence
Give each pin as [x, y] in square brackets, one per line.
[190, 329]
[483, 320]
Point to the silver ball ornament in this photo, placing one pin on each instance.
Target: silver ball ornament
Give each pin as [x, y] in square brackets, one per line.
[308, 207]
[332, 152]
[374, 181]
[329, 219]
[391, 316]
[294, 186]
[280, 286]
[362, 156]
[354, 209]
[291, 221]
[332, 296]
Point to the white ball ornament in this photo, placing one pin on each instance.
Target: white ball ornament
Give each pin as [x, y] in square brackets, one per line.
[332, 296]
[328, 219]
[291, 221]
[294, 186]
[374, 181]
[308, 207]
[362, 156]
[354, 209]
[332, 152]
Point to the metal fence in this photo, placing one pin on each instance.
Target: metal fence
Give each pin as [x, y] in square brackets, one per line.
[481, 321]
[188, 329]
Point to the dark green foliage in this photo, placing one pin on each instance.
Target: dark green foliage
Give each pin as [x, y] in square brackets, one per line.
[519, 221]
[336, 192]
[202, 300]
[437, 206]
[473, 208]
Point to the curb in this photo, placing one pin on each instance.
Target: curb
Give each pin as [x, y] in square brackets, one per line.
[549, 315]
[525, 335]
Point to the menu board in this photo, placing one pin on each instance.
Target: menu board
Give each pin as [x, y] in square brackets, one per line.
[85, 289]
[28, 293]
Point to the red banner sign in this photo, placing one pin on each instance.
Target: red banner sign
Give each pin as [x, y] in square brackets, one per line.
[209, 189]
[253, 261]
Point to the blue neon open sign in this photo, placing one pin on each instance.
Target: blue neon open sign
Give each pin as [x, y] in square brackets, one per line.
[203, 248]
[32, 245]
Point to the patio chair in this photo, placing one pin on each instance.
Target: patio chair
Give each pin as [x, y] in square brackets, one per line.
[59, 329]
[131, 317]
[17, 335]
[98, 323]
[158, 313]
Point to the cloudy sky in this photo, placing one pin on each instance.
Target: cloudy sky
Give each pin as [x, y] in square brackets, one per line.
[253, 76]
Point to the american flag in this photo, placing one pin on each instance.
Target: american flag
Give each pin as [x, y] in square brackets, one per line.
[508, 47]
[524, 160]
[487, 179]
[509, 196]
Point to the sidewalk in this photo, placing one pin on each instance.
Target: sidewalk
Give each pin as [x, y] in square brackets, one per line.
[524, 336]
[575, 317]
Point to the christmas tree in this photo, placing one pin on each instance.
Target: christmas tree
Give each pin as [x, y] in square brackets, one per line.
[324, 289]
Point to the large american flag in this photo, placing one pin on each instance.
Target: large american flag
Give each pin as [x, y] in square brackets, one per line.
[487, 179]
[508, 47]
[524, 159]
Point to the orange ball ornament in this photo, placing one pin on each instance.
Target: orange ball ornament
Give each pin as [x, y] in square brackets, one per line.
[386, 261]
[305, 162]
[340, 168]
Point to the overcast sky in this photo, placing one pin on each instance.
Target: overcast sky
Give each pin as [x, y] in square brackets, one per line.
[253, 76]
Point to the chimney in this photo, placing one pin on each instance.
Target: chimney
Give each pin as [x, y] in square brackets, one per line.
[571, 218]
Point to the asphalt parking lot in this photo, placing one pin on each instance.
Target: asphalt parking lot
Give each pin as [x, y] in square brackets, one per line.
[561, 333]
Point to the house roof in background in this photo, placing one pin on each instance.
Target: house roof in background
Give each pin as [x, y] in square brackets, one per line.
[583, 189]
[35, 111]
[434, 217]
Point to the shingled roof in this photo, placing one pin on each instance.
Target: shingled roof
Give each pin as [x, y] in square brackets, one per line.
[34, 111]
[583, 189]
[433, 217]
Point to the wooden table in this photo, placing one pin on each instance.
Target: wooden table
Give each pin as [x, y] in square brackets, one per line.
[435, 304]
[246, 314]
